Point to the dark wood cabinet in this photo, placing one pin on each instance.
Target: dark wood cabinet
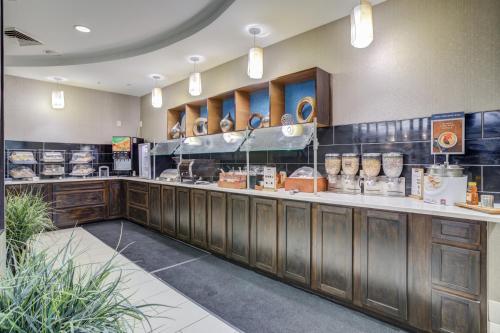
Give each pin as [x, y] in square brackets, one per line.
[182, 213]
[168, 210]
[238, 228]
[116, 199]
[217, 222]
[383, 262]
[461, 233]
[199, 218]
[294, 253]
[264, 234]
[454, 314]
[155, 206]
[332, 251]
[138, 202]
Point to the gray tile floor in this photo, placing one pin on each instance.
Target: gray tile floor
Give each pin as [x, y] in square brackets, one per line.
[245, 299]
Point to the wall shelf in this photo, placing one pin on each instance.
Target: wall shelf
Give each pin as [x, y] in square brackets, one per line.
[273, 99]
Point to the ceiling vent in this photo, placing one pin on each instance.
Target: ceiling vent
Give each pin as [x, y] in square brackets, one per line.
[22, 38]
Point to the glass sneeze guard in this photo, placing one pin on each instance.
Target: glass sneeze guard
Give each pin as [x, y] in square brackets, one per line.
[213, 143]
[292, 137]
[165, 148]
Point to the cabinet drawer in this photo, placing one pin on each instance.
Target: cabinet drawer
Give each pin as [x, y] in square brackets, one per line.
[453, 314]
[462, 232]
[71, 217]
[138, 198]
[77, 186]
[138, 186]
[456, 268]
[80, 198]
[138, 215]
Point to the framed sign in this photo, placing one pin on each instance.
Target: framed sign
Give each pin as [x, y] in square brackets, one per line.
[448, 133]
[121, 143]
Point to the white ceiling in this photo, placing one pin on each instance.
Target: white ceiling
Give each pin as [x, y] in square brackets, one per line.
[131, 39]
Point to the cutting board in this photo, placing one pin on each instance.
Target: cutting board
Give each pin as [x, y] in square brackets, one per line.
[493, 211]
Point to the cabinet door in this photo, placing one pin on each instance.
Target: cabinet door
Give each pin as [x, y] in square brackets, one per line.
[183, 214]
[199, 218]
[155, 206]
[116, 199]
[453, 314]
[238, 228]
[383, 262]
[332, 248]
[264, 235]
[168, 210]
[294, 255]
[217, 222]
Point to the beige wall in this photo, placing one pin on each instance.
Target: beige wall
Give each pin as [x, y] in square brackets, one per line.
[89, 115]
[428, 56]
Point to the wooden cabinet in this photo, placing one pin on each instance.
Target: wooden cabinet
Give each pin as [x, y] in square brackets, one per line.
[332, 251]
[454, 314]
[168, 210]
[155, 206]
[199, 218]
[264, 234]
[138, 202]
[294, 256]
[238, 228]
[217, 222]
[383, 262]
[461, 233]
[182, 213]
[117, 199]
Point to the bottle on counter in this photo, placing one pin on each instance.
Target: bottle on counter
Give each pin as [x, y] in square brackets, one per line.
[472, 195]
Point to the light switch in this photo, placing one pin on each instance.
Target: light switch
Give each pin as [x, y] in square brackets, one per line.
[118, 123]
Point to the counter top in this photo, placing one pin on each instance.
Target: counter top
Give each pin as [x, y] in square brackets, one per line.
[397, 204]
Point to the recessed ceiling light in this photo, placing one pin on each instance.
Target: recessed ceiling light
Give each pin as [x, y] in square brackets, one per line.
[82, 28]
[157, 77]
[257, 30]
[57, 78]
[195, 58]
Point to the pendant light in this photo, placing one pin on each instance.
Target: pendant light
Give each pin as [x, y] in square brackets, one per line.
[255, 57]
[58, 95]
[194, 78]
[156, 94]
[362, 25]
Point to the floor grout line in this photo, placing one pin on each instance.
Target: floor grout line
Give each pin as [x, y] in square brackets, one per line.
[178, 264]
[191, 324]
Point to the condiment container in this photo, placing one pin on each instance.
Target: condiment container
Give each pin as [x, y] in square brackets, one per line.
[472, 195]
[350, 163]
[487, 200]
[371, 163]
[333, 163]
[392, 164]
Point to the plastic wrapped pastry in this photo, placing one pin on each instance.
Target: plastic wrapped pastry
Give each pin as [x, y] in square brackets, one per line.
[53, 170]
[81, 170]
[22, 157]
[22, 172]
[52, 156]
[81, 157]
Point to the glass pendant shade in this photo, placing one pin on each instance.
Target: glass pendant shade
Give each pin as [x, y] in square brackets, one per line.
[195, 84]
[58, 99]
[362, 25]
[256, 63]
[156, 98]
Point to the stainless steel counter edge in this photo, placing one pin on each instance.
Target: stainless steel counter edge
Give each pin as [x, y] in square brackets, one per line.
[396, 204]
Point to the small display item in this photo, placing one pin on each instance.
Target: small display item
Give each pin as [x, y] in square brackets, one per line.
[269, 178]
[306, 110]
[22, 157]
[52, 157]
[488, 200]
[176, 131]
[81, 157]
[53, 170]
[333, 164]
[22, 172]
[350, 164]
[392, 164]
[417, 183]
[81, 170]
[255, 121]
[302, 180]
[227, 123]
[200, 126]
[472, 195]
[371, 163]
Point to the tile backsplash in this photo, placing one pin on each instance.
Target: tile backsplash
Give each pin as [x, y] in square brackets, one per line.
[410, 137]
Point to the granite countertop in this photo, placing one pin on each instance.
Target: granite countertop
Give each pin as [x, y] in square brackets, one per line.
[396, 204]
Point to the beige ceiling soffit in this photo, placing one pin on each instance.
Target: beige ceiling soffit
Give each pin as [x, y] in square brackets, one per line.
[196, 23]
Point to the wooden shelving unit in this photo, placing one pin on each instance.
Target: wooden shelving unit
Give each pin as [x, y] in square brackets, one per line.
[272, 98]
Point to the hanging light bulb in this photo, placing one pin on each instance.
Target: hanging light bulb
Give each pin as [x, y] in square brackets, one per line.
[58, 95]
[194, 78]
[255, 57]
[156, 94]
[362, 25]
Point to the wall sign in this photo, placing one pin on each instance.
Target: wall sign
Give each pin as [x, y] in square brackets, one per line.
[448, 133]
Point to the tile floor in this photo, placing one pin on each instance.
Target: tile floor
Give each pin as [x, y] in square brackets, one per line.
[176, 313]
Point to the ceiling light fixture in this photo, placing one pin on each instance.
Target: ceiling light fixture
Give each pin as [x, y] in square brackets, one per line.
[156, 94]
[255, 56]
[58, 94]
[362, 25]
[195, 78]
[82, 28]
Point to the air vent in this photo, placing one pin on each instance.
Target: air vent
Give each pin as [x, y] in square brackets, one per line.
[22, 38]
